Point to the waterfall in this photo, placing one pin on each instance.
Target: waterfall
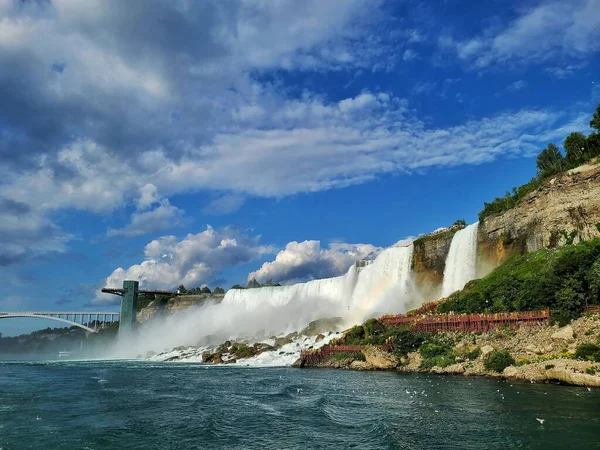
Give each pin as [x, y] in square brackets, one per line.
[384, 285]
[379, 287]
[461, 260]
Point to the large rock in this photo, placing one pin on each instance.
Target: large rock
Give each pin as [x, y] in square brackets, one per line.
[564, 334]
[379, 359]
[486, 350]
[361, 365]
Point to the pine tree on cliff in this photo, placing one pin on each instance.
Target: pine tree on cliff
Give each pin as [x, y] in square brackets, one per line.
[595, 122]
[550, 160]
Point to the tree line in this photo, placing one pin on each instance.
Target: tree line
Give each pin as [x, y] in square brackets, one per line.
[578, 149]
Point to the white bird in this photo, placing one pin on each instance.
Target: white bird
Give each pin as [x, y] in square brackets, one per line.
[540, 420]
[589, 389]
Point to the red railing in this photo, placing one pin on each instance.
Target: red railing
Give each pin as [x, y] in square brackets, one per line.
[468, 322]
[592, 309]
[312, 357]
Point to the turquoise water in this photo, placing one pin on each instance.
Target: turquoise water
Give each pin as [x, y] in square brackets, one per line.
[138, 405]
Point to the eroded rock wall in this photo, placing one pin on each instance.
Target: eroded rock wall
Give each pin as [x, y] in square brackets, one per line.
[568, 202]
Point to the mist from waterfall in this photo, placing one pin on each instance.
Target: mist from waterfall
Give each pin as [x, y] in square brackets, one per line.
[383, 285]
[461, 262]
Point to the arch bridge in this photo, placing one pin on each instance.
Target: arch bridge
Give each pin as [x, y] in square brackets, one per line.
[89, 321]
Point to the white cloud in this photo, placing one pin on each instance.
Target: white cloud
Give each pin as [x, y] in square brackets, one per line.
[192, 261]
[549, 29]
[516, 86]
[99, 124]
[162, 217]
[148, 195]
[225, 204]
[409, 55]
[27, 233]
[424, 87]
[566, 71]
[301, 261]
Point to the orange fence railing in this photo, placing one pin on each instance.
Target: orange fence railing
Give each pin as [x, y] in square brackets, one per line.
[467, 322]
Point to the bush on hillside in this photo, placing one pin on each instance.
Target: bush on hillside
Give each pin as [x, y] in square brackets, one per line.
[588, 352]
[373, 328]
[498, 361]
[563, 280]
[407, 340]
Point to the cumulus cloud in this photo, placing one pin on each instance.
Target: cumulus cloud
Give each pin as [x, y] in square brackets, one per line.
[162, 217]
[174, 102]
[26, 234]
[302, 261]
[225, 204]
[539, 33]
[192, 261]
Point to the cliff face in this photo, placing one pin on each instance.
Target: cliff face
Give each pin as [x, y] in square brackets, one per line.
[429, 261]
[566, 206]
[175, 303]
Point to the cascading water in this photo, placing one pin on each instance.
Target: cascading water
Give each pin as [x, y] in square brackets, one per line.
[382, 286]
[461, 260]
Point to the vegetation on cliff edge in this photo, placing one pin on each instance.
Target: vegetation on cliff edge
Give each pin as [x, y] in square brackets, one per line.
[564, 280]
[578, 149]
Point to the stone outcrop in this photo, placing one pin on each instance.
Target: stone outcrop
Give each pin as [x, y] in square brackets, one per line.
[379, 359]
[568, 202]
[565, 334]
[562, 370]
[176, 303]
[429, 261]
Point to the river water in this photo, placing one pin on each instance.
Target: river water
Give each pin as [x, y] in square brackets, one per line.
[142, 405]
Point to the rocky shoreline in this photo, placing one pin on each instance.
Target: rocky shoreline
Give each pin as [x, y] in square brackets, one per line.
[539, 354]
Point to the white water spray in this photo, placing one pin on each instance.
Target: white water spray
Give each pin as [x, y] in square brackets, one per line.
[381, 286]
[461, 262]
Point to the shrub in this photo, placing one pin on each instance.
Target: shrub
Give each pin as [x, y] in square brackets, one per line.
[433, 349]
[355, 335]
[407, 340]
[588, 352]
[498, 361]
[474, 354]
[590, 370]
[549, 366]
[443, 360]
[373, 327]
[344, 356]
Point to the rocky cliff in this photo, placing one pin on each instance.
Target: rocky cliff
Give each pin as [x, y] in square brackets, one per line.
[566, 207]
[429, 261]
[175, 303]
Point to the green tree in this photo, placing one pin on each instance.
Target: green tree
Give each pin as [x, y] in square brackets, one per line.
[460, 223]
[237, 286]
[576, 147]
[595, 122]
[252, 284]
[550, 160]
[181, 289]
[205, 290]
[218, 290]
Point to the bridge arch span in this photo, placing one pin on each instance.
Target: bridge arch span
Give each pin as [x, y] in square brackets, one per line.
[56, 317]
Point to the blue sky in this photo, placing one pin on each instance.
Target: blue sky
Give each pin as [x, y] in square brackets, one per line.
[206, 142]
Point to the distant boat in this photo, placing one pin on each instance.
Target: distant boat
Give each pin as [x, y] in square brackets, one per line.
[64, 354]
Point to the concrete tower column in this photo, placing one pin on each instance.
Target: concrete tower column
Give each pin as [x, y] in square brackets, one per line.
[128, 307]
